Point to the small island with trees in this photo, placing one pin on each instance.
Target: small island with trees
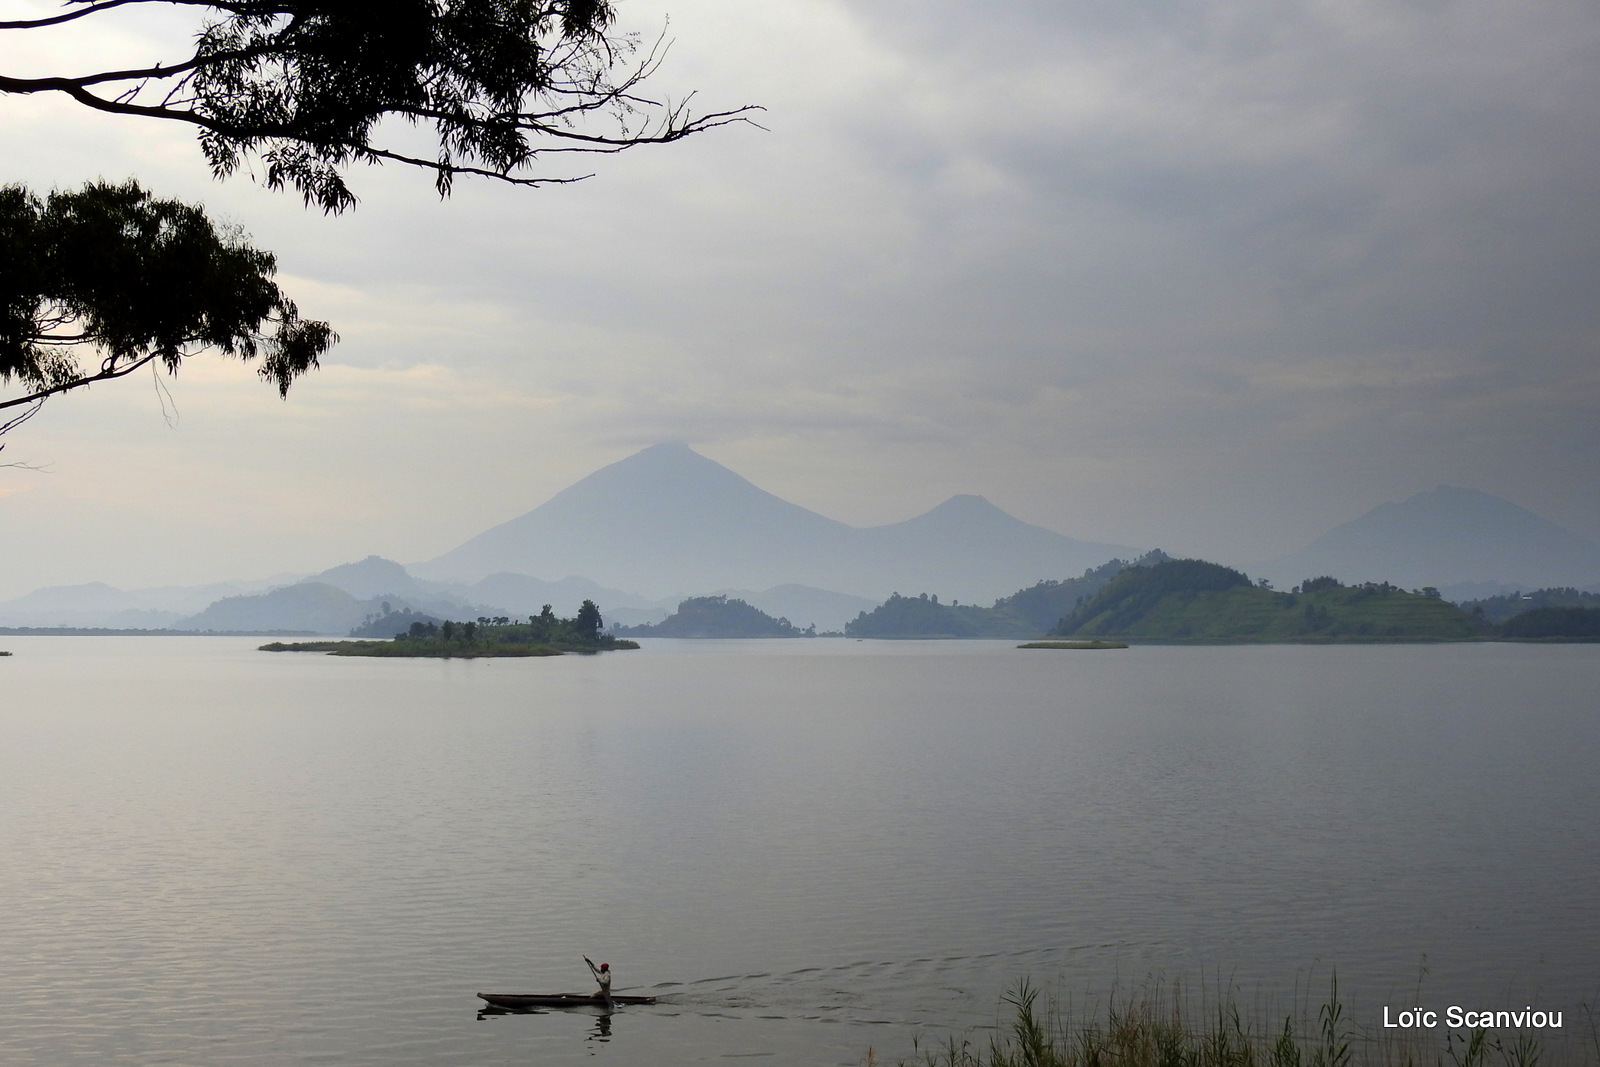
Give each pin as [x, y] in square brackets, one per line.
[544, 634]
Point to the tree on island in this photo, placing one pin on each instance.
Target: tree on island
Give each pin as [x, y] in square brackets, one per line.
[302, 87]
[588, 620]
[502, 636]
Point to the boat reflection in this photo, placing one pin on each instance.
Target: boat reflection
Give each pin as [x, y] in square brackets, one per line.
[600, 1032]
[602, 1015]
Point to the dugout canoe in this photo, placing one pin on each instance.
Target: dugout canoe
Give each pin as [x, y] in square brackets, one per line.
[515, 1001]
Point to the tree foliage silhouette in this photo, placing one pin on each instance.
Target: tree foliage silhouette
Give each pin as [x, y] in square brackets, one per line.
[588, 621]
[114, 272]
[304, 86]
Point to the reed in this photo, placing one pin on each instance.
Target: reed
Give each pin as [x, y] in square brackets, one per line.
[1164, 1026]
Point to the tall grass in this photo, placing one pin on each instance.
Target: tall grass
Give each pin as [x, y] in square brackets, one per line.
[1162, 1026]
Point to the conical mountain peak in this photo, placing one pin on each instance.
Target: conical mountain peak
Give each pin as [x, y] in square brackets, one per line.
[1445, 536]
[668, 521]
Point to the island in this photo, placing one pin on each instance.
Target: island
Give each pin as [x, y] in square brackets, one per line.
[718, 616]
[542, 635]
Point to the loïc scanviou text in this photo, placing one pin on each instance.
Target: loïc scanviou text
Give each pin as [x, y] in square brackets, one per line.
[1456, 1017]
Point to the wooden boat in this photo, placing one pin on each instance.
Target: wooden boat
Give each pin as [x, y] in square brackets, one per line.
[516, 1001]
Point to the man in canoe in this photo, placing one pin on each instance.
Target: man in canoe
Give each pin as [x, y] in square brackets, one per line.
[602, 974]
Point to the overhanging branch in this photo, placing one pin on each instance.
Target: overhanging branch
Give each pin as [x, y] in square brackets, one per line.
[106, 374]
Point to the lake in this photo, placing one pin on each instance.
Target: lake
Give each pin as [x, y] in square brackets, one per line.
[216, 856]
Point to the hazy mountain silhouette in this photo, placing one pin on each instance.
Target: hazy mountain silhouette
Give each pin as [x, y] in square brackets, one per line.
[669, 521]
[316, 607]
[98, 604]
[376, 576]
[1442, 538]
[993, 553]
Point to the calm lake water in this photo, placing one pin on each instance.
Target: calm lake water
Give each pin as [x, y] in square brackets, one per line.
[211, 855]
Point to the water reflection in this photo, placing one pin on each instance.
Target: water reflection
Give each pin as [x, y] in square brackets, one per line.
[600, 1032]
[602, 1014]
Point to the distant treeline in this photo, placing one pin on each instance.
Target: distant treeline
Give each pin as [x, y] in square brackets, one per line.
[1498, 609]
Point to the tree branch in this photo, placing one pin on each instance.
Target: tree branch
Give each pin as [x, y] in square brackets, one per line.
[106, 5]
[304, 85]
[115, 107]
[443, 168]
[105, 375]
[18, 420]
[84, 12]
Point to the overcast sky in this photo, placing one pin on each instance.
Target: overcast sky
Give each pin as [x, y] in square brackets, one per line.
[1208, 276]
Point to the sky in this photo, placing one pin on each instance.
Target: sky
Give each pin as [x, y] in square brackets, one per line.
[1212, 277]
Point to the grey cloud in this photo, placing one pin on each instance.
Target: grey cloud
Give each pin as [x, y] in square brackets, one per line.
[1256, 264]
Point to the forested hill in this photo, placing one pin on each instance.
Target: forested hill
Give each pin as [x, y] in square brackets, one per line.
[1026, 613]
[716, 616]
[1193, 600]
[1044, 605]
[924, 616]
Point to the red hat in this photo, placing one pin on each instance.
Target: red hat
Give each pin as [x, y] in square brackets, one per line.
[605, 966]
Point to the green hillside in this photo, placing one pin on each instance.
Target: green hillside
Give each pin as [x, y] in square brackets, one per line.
[1042, 606]
[1200, 602]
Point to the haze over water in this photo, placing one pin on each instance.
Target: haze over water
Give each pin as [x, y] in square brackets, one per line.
[807, 848]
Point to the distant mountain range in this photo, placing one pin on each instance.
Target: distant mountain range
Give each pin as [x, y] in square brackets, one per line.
[99, 604]
[667, 521]
[344, 597]
[1464, 542]
[313, 607]
[640, 535]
